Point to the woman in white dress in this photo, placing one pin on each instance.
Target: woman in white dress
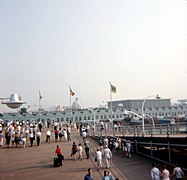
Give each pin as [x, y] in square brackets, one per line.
[99, 159]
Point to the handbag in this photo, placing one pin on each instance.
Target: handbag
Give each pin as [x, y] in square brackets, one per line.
[95, 158]
[62, 156]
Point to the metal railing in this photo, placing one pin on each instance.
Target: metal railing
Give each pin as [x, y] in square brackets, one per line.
[149, 130]
[163, 152]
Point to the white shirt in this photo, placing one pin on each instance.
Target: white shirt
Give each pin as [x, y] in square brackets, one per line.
[106, 141]
[155, 174]
[38, 134]
[178, 172]
[84, 134]
[107, 153]
[99, 155]
[48, 133]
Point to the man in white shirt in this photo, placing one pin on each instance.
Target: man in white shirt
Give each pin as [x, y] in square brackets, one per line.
[38, 136]
[155, 173]
[69, 133]
[177, 171]
[105, 141]
[84, 134]
[108, 156]
[48, 135]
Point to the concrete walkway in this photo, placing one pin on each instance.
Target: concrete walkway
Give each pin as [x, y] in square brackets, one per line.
[36, 163]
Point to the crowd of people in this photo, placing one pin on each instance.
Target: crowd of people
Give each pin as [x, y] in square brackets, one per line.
[20, 133]
[156, 174]
[23, 133]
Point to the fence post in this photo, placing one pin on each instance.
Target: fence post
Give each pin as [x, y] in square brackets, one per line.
[151, 150]
[136, 147]
[167, 130]
[169, 153]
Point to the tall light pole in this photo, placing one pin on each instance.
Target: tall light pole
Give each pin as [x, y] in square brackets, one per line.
[94, 114]
[143, 104]
[131, 112]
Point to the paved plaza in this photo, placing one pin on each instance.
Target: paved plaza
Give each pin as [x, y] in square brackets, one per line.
[36, 163]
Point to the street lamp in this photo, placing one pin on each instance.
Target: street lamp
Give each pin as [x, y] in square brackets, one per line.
[94, 114]
[131, 112]
[143, 104]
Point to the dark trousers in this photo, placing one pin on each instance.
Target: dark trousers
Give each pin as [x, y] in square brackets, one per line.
[87, 151]
[60, 159]
[31, 141]
[47, 139]
[38, 140]
[69, 136]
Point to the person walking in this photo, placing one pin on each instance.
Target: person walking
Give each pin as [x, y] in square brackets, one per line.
[87, 148]
[60, 135]
[69, 133]
[128, 144]
[165, 173]
[38, 136]
[107, 176]
[65, 135]
[74, 150]
[58, 153]
[1, 138]
[31, 136]
[155, 172]
[177, 172]
[56, 134]
[48, 135]
[7, 137]
[108, 156]
[84, 135]
[89, 175]
[99, 159]
[80, 151]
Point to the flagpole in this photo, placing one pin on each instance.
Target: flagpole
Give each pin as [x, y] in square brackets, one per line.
[111, 104]
[70, 103]
[39, 104]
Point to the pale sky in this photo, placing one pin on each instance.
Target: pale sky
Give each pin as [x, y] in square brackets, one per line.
[140, 46]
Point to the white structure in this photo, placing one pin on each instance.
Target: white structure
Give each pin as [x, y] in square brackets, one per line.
[102, 114]
[14, 101]
[76, 105]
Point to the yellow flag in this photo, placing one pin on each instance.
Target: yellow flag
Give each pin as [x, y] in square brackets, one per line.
[113, 88]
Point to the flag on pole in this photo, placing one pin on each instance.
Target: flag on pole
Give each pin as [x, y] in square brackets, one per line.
[71, 92]
[113, 88]
[40, 96]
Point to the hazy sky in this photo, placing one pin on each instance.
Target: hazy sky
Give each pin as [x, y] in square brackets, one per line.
[48, 45]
